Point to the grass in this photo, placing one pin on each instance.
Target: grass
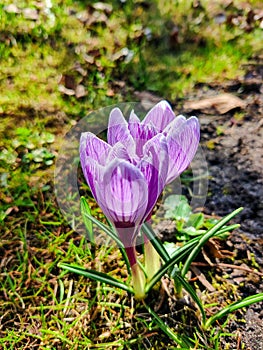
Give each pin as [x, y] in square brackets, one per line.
[42, 307]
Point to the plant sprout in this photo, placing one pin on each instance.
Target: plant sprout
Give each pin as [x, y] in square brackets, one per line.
[126, 176]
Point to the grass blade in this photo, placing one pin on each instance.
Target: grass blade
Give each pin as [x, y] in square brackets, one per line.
[178, 256]
[109, 231]
[181, 253]
[192, 293]
[167, 330]
[227, 229]
[85, 209]
[96, 275]
[233, 307]
[209, 234]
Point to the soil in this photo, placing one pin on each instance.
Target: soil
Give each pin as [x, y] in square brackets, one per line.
[235, 164]
[233, 145]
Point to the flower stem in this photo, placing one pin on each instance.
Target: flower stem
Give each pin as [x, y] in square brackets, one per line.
[138, 282]
[151, 258]
[138, 277]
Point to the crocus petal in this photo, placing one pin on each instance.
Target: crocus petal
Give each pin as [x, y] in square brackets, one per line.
[160, 116]
[182, 146]
[121, 151]
[118, 130]
[154, 166]
[92, 146]
[175, 124]
[134, 118]
[141, 133]
[122, 193]
[92, 171]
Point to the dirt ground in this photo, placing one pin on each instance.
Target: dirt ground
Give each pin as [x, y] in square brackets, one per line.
[235, 164]
[233, 146]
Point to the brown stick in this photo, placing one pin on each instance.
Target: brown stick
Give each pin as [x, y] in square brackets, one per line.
[228, 266]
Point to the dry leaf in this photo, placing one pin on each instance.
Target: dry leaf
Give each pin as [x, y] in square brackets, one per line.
[80, 91]
[96, 17]
[110, 93]
[202, 279]
[68, 81]
[66, 91]
[120, 54]
[222, 103]
[100, 6]
[147, 99]
[214, 249]
[89, 59]
[80, 70]
[83, 16]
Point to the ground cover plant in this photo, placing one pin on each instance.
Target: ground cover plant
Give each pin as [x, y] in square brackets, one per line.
[60, 60]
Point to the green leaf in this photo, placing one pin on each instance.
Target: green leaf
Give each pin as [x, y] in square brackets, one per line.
[233, 307]
[170, 247]
[203, 239]
[109, 231]
[155, 241]
[210, 223]
[24, 132]
[189, 247]
[192, 231]
[192, 293]
[177, 207]
[47, 137]
[165, 256]
[196, 220]
[177, 338]
[178, 256]
[85, 209]
[96, 275]
[223, 233]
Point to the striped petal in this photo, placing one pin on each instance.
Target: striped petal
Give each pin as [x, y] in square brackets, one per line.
[122, 193]
[160, 116]
[92, 171]
[121, 151]
[154, 166]
[141, 133]
[175, 124]
[92, 146]
[182, 146]
[118, 130]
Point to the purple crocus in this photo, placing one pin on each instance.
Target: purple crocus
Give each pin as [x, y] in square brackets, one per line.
[182, 135]
[127, 174]
[125, 186]
[182, 138]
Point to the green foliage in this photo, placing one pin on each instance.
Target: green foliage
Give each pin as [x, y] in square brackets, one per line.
[176, 265]
[28, 147]
[187, 223]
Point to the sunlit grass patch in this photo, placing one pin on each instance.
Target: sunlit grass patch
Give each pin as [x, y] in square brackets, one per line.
[179, 72]
[189, 46]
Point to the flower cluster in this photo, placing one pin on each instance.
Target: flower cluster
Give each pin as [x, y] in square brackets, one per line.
[128, 173]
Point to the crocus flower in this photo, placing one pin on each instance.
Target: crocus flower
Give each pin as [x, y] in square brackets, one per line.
[182, 138]
[127, 174]
[125, 186]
